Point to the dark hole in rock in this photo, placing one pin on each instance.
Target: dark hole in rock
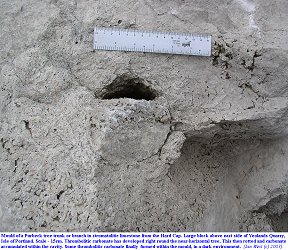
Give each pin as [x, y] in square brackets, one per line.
[280, 222]
[277, 211]
[126, 87]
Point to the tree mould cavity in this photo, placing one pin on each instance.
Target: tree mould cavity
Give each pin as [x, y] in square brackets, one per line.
[129, 87]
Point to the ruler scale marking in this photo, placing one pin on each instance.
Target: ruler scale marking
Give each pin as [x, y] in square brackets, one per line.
[152, 41]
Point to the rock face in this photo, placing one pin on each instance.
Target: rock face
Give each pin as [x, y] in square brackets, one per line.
[121, 141]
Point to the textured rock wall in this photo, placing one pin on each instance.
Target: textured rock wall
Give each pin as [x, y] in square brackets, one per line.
[199, 145]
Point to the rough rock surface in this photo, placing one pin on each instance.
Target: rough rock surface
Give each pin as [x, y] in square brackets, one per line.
[207, 150]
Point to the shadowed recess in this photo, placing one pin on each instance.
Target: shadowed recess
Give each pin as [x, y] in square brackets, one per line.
[277, 211]
[127, 87]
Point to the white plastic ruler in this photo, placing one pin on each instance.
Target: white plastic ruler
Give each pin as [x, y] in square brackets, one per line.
[151, 41]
